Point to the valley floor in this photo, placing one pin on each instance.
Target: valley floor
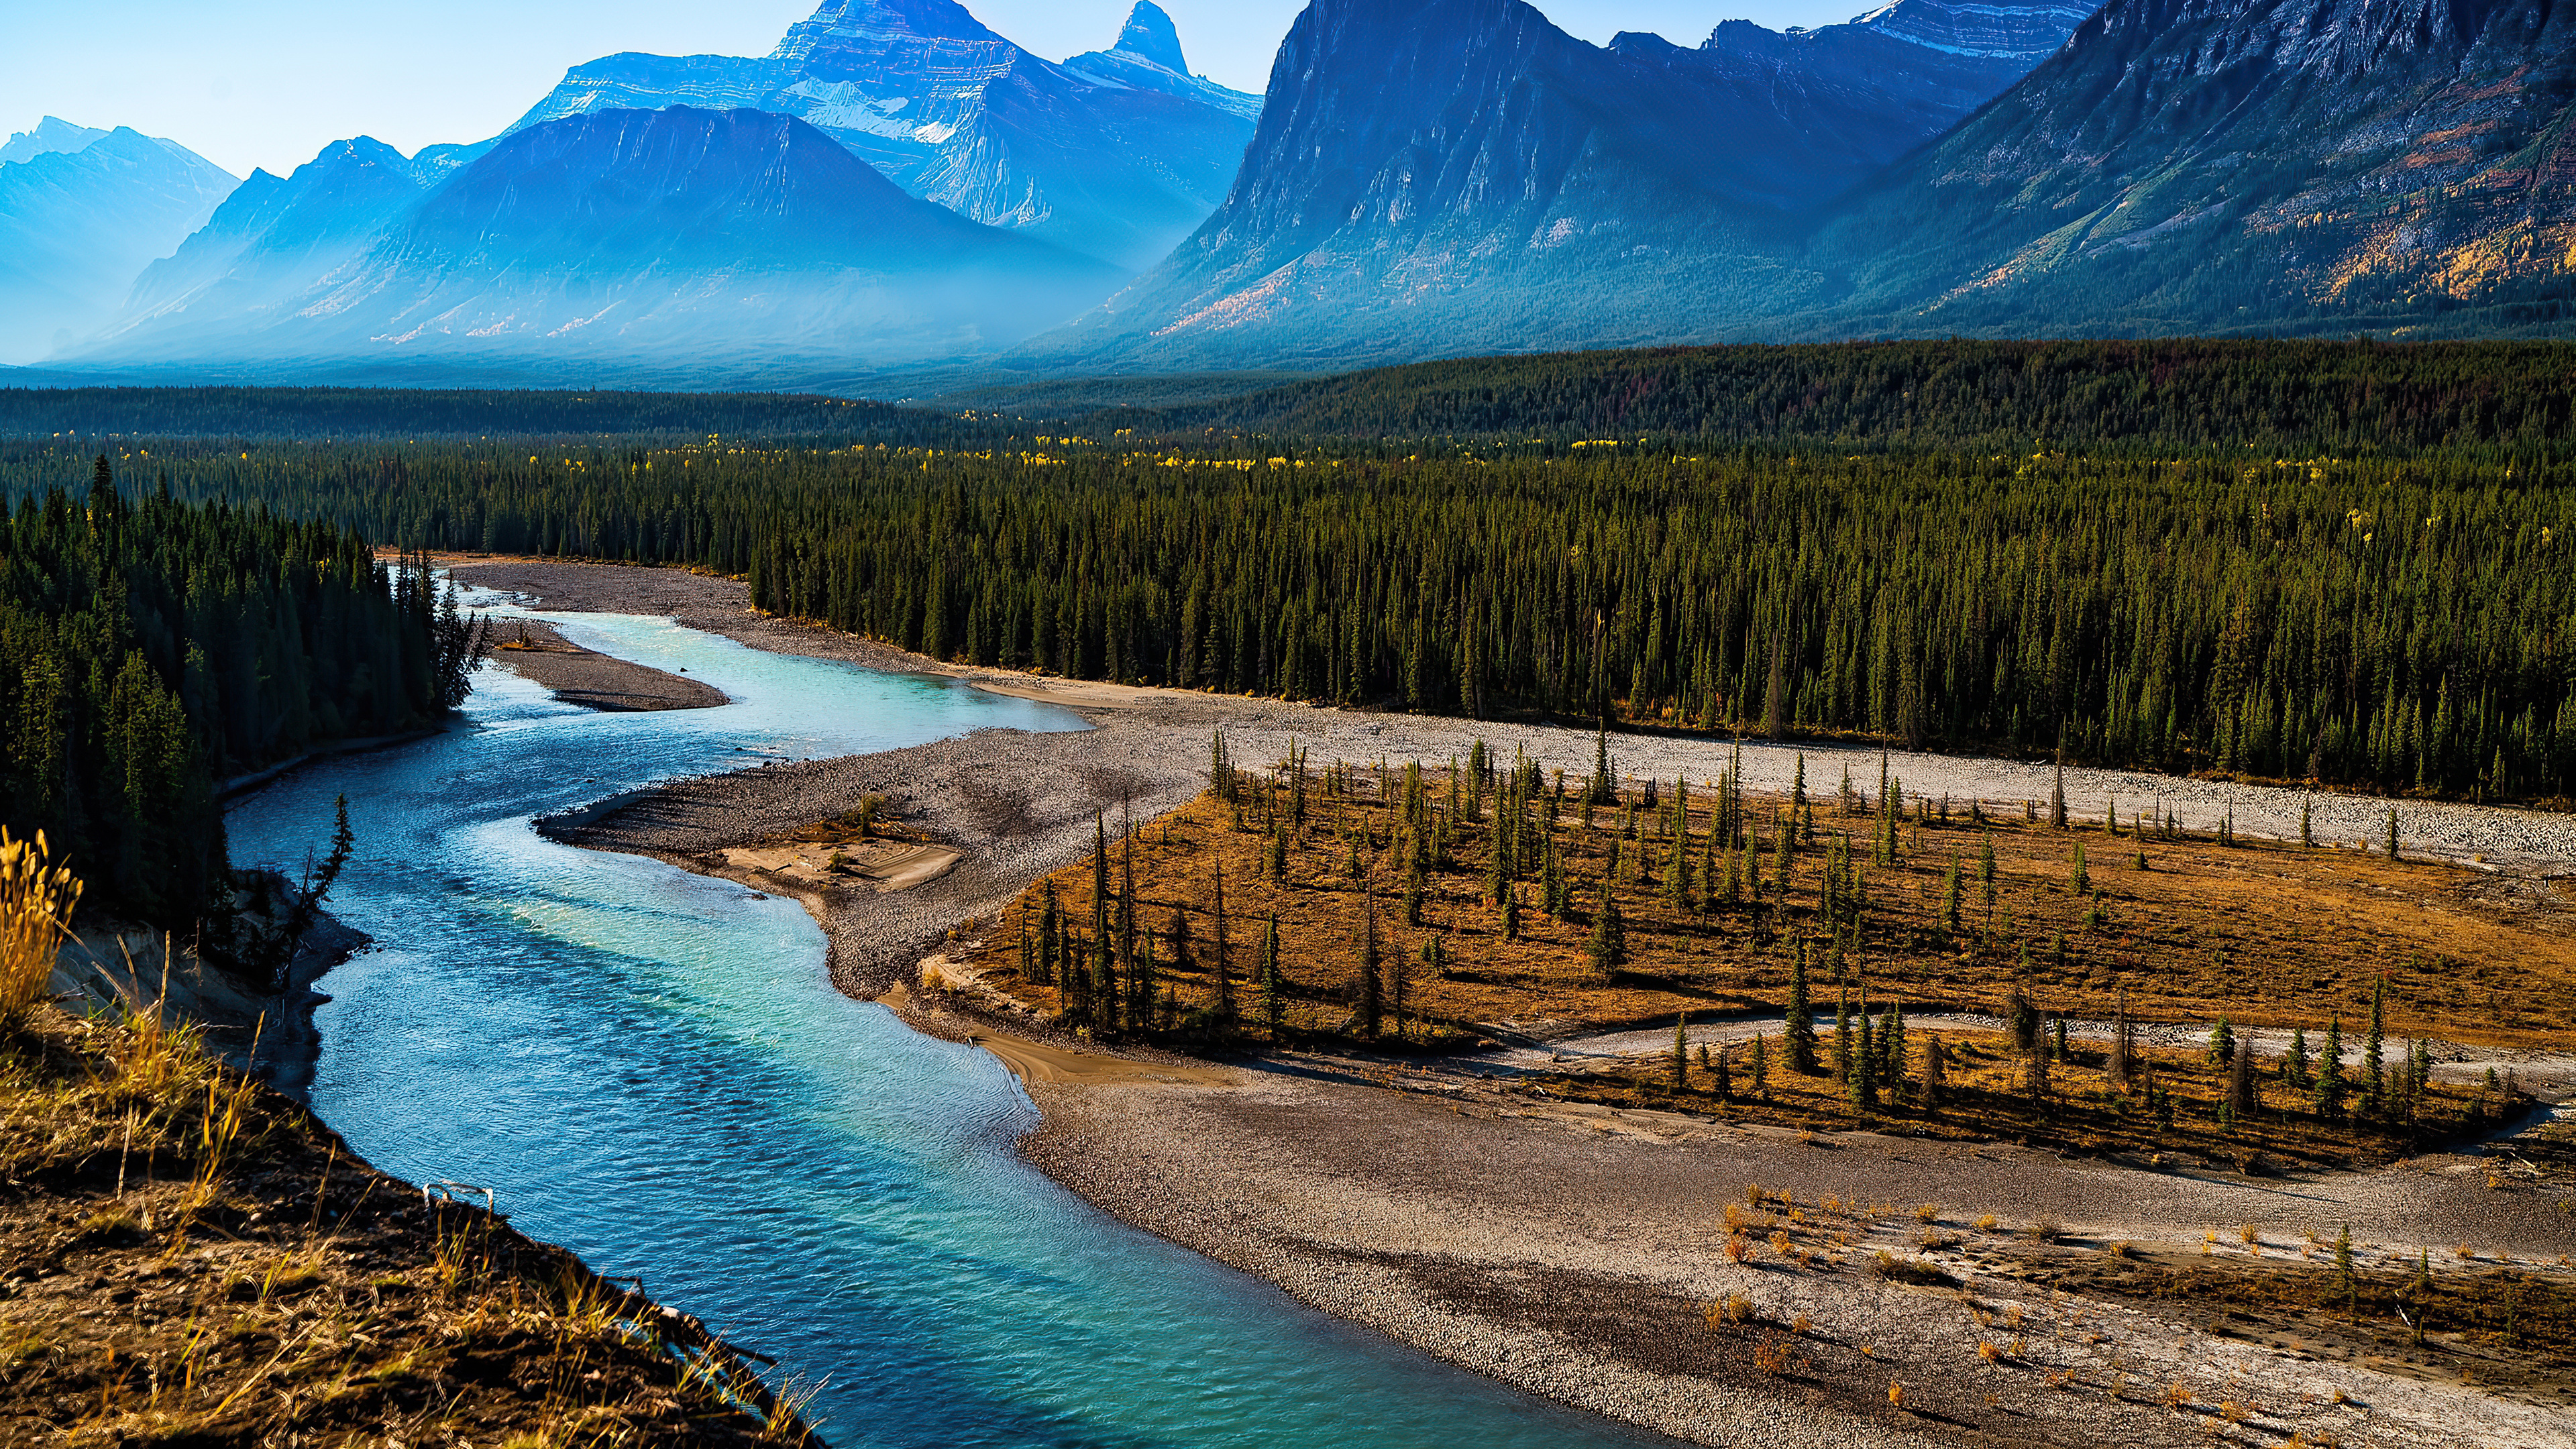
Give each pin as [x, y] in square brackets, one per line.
[1578, 1250]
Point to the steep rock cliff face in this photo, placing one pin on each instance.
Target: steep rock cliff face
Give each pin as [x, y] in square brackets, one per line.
[1457, 175]
[2221, 165]
[1118, 154]
[681, 241]
[79, 217]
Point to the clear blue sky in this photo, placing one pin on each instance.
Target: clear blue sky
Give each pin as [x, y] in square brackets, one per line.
[268, 82]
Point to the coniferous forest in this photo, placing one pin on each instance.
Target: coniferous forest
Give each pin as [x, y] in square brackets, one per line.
[149, 648]
[2395, 620]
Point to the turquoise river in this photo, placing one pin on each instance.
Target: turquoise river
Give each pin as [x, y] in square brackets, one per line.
[650, 1068]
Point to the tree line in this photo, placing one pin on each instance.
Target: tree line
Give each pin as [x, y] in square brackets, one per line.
[2393, 623]
[150, 648]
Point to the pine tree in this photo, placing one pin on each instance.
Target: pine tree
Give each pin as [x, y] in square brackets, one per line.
[1722, 1076]
[2122, 1061]
[1761, 1067]
[1511, 913]
[1935, 1076]
[1842, 1035]
[2374, 1083]
[1681, 1052]
[2294, 1067]
[2240, 1081]
[2222, 1041]
[1891, 1046]
[1372, 1003]
[1799, 1033]
[1609, 948]
[1865, 1064]
[2330, 1084]
[2082, 881]
[1274, 1003]
[2307, 826]
[2392, 832]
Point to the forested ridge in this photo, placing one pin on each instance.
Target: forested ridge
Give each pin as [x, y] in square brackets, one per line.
[398, 414]
[2176, 394]
[2149, 397]
[2398, 624]
[150, 647]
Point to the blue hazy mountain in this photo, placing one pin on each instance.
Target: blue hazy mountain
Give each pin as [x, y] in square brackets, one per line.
[1452, 176]
[81, 212]
[1118, 153]
[51, 135]
[679, 243]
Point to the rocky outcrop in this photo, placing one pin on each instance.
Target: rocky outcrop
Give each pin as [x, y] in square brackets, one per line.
[2246, 165]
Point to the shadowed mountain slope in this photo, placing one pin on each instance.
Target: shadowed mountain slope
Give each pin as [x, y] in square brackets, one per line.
[1459, 175]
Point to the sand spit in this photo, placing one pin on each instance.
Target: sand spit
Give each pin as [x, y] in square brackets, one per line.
[536, 651]
[1571, 1249]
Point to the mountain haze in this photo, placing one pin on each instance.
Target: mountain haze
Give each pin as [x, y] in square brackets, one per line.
[80, 217]
[674, 242]
[1117, 154]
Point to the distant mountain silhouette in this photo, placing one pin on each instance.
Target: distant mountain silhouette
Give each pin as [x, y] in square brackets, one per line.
[1118, 154]
[81, 212]
[674, 239]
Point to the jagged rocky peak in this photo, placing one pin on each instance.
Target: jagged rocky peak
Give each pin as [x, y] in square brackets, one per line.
[874, 27]
[2023, 30]
[1150, 37]
[54, 134]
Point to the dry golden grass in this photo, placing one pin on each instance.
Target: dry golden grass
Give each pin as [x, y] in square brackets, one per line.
[192, 1259]
[188, 1258]
[2267, 933]
[2264, 933]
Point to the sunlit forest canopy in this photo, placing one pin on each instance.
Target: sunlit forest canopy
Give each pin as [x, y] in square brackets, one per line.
[2392, 623]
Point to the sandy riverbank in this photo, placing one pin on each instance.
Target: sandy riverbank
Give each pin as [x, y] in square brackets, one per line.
[1572, 1250]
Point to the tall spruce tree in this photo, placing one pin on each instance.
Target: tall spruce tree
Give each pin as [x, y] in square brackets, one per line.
[1798, 1034]
[2330, 1088]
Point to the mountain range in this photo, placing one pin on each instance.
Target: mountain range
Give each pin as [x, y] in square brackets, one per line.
[2404, 167]
[897, 186]
[716, 241]
[81, 212]
[1117, 153]
[1464, 175]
